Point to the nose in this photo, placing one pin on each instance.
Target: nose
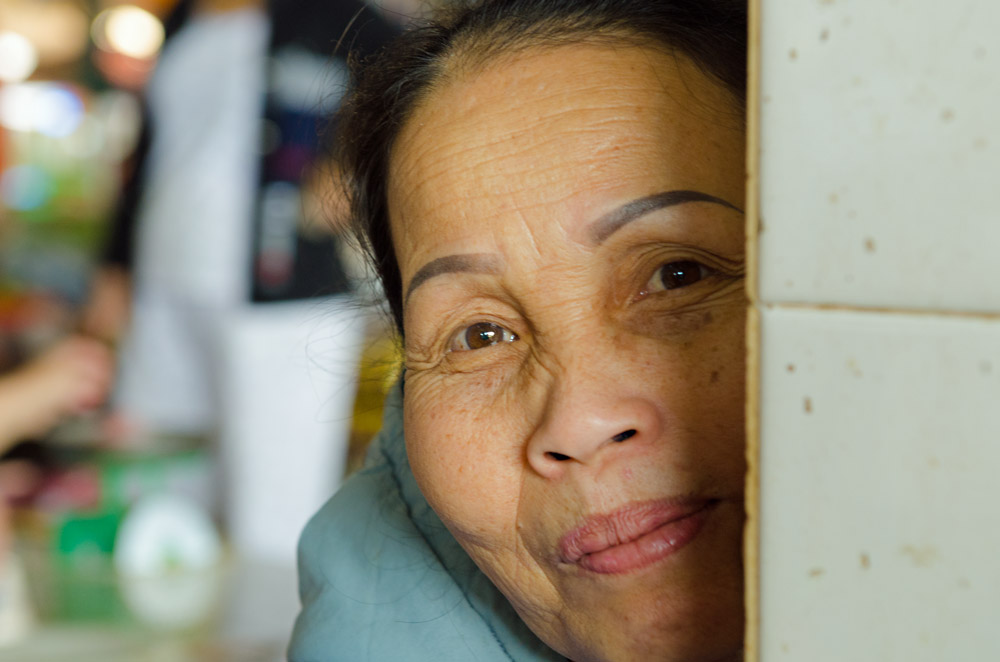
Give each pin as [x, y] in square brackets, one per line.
[590, 422]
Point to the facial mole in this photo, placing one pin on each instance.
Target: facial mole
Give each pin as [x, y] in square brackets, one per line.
[715, 376]
[707, 318]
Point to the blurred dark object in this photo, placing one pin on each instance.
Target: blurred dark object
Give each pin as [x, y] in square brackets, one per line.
[310, 42]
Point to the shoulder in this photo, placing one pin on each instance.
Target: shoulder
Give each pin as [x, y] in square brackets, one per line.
[366, 580]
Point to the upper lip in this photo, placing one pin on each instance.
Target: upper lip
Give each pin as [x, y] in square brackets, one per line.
[603, 531]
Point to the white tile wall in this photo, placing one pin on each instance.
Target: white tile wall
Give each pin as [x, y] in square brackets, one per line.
[878, 266]
[880, 134]
[879, 481]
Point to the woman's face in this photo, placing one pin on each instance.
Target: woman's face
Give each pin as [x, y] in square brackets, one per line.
[568, 230]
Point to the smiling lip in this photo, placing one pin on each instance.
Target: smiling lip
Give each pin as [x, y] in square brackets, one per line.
[635, 536]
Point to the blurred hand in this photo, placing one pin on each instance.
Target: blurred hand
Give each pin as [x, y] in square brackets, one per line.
[72, 377]
[108, 310]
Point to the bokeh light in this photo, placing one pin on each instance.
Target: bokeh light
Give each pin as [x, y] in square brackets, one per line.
[18, 57]
[48, 108]
[25, 187]
[128, 30]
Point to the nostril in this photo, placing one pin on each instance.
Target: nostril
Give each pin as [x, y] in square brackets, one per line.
[622, 436]
[558, 457]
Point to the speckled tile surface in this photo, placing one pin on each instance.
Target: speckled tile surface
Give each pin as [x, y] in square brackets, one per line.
[879, 466]
[880, 153]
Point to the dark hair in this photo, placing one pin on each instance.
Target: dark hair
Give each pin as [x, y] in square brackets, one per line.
[386, 89]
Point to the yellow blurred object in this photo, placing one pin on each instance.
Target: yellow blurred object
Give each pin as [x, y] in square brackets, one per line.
[381, 363]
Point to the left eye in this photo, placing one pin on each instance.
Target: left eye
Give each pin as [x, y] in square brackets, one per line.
[675, 275]
[481, 335]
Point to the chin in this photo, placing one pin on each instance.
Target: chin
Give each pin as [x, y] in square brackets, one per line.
[695, 637]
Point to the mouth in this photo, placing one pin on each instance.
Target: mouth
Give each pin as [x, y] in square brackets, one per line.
[635, 536]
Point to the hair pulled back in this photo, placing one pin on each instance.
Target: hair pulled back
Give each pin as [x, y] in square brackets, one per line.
[386, 89]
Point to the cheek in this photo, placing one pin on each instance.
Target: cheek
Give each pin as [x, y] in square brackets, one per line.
[698, 380]
[717, 387]
[714, 355]
[724, 367]
[465, 452]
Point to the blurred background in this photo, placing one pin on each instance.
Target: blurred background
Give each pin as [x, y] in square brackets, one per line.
[189, 358]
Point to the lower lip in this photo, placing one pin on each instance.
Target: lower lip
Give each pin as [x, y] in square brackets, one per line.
[649, 548]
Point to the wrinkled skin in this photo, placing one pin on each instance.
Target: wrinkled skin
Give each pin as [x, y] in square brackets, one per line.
[510, 424]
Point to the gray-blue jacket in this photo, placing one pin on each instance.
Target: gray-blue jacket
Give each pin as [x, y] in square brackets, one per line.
[382, 580]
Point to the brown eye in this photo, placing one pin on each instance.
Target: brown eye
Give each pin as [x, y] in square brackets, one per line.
[674, 275]
[480, 336]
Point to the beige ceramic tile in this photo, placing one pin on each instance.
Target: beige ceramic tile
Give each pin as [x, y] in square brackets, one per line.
[880, 148]
[880, 470]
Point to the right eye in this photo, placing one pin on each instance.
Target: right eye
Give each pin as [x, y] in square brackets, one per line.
[480, 336]
[675, 275]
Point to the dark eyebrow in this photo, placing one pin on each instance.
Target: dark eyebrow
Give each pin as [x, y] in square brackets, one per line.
[611, 222]
[477, 263]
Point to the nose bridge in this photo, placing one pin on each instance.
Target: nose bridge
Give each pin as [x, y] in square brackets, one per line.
[591, 410]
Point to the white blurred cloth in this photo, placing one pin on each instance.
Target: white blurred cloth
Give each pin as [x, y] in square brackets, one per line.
[274, 382]
[205, 100]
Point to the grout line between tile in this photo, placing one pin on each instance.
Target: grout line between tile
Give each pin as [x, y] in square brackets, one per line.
[751, 530]
[876, 310]
[751, 497]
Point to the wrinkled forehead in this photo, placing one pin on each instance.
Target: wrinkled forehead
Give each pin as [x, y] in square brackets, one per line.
[552, 128]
